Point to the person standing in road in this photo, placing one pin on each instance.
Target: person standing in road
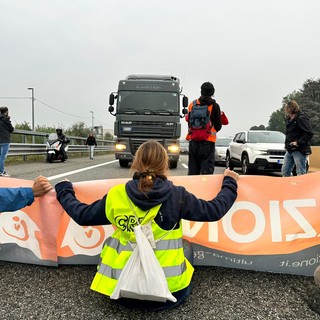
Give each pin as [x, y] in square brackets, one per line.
[202, 145]
[298, 135]
[91, 143]
[5, 132]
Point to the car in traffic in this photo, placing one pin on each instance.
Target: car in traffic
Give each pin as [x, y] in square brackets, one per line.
[221, 145]
[184, 147]
[255, 150]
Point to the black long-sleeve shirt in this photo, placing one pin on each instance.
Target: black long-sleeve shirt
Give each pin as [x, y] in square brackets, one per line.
[177, 203]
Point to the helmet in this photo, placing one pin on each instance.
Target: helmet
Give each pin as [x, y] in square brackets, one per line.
[59, 130]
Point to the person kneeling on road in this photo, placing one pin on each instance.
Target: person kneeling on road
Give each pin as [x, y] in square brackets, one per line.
[152, 198]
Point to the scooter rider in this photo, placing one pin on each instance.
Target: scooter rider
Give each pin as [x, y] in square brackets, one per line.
[64, 141]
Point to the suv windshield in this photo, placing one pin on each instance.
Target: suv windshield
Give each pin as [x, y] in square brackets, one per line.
[223, 142]
[266, 137]
[143, 102]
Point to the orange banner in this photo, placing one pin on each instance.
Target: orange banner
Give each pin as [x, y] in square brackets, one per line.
[274, 225]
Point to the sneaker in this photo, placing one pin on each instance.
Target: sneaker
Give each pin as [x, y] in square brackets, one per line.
[4, 174]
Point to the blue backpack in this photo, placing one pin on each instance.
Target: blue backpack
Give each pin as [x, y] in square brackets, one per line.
[199, 122]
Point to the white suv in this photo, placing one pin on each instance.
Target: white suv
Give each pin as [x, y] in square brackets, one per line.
[255, 150]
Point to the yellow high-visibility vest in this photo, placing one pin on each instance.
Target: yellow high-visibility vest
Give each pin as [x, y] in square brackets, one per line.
[118, 248]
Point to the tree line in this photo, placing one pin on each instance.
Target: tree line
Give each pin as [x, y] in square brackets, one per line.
[308, 98]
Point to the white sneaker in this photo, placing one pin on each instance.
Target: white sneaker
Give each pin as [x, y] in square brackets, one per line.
[4, 174]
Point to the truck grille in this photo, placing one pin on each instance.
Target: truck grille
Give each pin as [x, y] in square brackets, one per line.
[149, 128]
[136, 143]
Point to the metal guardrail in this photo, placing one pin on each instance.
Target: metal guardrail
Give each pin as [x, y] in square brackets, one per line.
[77, 144]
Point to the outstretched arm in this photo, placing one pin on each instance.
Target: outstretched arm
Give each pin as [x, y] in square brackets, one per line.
[84, 214]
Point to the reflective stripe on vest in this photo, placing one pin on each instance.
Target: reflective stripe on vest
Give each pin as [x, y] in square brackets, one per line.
[168, 271]
[118, 248]
[161, 245]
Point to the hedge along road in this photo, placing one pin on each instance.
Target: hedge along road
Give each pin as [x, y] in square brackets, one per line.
[37, 292]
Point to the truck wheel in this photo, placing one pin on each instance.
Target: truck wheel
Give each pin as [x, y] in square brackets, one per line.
[245, 165]
[173, 164]
[124, 163]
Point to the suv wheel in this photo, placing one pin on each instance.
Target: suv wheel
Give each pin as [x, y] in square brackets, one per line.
[229, 163]
[245, 165]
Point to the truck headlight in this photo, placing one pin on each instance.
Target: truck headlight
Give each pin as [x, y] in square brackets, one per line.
[120, 146]
[173, 148]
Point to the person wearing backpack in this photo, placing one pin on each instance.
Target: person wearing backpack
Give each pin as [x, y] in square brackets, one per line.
[152, 201]
[204, 121]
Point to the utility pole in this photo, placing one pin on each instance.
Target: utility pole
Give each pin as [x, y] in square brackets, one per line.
[92, 121]
[32, 101]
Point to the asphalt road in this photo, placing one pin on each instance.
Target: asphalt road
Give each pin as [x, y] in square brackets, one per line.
[38, 292]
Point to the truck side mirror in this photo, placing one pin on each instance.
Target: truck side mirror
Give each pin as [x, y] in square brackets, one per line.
[111, 109]
[185, 102]
[184, 112]
[111, 100]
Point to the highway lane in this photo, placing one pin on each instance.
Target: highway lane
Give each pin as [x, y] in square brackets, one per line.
[36, 292]
[83, 169]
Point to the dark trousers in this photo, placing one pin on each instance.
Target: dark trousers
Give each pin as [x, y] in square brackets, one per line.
[63, 151]
[201, 157]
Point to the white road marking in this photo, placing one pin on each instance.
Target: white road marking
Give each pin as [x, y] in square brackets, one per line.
[61, 175]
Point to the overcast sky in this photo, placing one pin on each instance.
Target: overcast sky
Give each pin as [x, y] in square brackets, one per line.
[73, 53]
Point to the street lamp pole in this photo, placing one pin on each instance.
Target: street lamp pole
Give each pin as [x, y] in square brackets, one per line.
[91, 120]
[32, 98]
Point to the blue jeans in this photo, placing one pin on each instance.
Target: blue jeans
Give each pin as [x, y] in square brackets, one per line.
[4, 148]
[294, 158]
[91, 148]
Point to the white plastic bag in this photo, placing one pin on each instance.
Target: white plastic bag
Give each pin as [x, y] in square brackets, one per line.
[142, 277]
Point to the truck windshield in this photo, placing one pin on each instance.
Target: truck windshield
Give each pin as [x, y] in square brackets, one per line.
[143, 102]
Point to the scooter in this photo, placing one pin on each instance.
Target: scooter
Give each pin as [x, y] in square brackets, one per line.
[53, 147]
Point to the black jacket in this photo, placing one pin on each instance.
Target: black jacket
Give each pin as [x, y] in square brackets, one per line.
[91, 141]
[299, 129]
[63, 138]
[5, 129]
[177, 203]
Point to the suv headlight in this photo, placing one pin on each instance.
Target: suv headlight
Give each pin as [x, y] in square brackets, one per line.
[256, 150]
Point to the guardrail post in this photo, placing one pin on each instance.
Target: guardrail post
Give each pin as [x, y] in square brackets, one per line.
[24, 140]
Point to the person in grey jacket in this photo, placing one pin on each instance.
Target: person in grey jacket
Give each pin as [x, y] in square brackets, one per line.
[5, 132]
